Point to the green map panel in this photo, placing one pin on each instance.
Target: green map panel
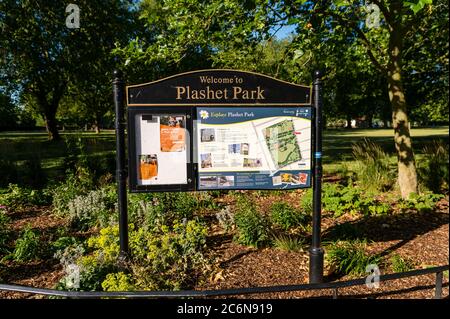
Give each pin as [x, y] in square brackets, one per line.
[282, 143]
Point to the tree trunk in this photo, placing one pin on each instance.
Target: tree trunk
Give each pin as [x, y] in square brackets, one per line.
[50, 125]
[349, 121]
[407, 175]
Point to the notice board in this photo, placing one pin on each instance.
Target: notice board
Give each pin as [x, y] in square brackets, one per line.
[219, 129]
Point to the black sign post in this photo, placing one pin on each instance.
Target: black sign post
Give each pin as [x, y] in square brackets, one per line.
[121, 172]
[316, 252]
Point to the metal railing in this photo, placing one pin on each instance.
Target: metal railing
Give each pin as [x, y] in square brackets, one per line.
[335, 286]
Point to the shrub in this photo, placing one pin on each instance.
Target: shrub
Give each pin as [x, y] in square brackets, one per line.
[16, 197]
[4, 231]
[400, 264]
[165, 258]
[253, 228]
[225, 218]
[118, 282]
[27, 246]
[349, 199]
[306, 202]
[433, 171]
[92, 209]
[424, 202]
[350, 257]
[285, 216]
[73, 186]
[289, 243]
[62, 243]
[372, 166]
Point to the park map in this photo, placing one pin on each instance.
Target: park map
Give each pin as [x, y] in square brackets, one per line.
[282, 143]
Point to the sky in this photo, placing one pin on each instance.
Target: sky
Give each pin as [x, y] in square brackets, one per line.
[285, 31]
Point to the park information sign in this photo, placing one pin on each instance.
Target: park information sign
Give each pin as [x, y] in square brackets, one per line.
[219, 129]
[253, 148]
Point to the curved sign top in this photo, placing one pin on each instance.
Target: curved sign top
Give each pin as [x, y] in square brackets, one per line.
[218, 87]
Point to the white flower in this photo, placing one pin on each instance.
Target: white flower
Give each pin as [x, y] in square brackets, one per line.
[204, 114]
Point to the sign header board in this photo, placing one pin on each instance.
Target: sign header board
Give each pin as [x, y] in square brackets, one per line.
[218, 87]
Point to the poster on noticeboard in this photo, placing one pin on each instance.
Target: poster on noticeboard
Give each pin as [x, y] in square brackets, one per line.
[161, 149]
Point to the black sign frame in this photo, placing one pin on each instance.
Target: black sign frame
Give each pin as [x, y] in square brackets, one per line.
[316, 253]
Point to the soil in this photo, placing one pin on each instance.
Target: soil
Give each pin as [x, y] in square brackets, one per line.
[422, 237]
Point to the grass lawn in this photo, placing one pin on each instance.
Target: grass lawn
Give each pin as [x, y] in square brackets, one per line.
[337, 145]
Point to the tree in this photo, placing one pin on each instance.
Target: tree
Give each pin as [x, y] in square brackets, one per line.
[381, 29]
[42, 55]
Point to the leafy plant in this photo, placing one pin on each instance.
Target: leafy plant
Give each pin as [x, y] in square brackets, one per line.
[4, 230]
[15, 196]
[306, 202]
[424, 202]
[118, 282]
[63, 242]
[289, 243]
[400, 264]
[27, 246]
[350, 257]
[253, 228]
[349, 199]
[73, 186]
[92, 209]
[226, 218]
[286, 216]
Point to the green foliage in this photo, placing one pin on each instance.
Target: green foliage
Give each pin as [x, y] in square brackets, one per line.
[75, 184]
[226, 218]
[170, 257]
[63, 242]
[15, 197]
[306, 202]
[434, 169]
[253, 228]
[424, 202]
[28, 246]
[349, 199]
[372, 168]
[350, 257]
[4, 230]
[118, 282]
[94, 208]
[153, 210]
[286, 216]
[289, 243]
[400, 264]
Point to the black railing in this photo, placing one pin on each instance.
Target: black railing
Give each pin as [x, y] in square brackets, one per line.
[335, 286]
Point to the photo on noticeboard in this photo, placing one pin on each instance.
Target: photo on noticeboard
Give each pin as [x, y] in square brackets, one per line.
[148, 167]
